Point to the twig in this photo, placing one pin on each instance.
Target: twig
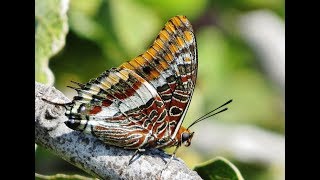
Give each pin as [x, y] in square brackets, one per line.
[91, 155]
[63, 176]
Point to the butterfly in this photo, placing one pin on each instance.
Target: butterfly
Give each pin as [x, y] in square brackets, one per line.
[142, 103]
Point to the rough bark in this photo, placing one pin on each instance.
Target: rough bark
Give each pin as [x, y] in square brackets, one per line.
[91, 155]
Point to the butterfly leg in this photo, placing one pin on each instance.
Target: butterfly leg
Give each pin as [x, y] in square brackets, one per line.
[143, 147]
[172, 156]
[134, 154]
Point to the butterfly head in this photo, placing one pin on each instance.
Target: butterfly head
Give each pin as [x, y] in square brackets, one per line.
[186, 137]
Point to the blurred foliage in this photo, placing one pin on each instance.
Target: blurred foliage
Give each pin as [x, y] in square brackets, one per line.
[104, 34]
[258, 171]
[51, 28]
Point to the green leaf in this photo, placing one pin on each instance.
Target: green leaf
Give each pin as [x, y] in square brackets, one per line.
[218, 169]
[51, 28]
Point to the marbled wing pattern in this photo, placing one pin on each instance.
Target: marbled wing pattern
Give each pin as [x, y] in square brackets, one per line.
[142, 103]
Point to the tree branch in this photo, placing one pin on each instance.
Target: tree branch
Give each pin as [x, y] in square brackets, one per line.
[90, 154]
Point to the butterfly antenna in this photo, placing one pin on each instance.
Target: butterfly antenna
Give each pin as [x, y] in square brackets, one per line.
[209, 114]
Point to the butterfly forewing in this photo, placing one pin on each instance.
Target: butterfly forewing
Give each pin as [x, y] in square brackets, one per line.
[170, 65]
[142, 103]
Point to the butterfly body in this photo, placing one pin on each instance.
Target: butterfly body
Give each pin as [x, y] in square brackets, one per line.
[142, 103]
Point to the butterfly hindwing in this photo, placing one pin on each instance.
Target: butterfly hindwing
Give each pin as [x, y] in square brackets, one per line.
[120, 108]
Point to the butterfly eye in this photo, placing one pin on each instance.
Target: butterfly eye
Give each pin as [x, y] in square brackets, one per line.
[185, 136]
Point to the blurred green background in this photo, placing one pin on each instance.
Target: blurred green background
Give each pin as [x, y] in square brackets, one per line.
[240, 57]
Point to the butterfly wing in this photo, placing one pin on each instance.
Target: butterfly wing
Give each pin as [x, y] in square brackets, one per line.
[120, 108]
[170, 66]
[143, 101]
